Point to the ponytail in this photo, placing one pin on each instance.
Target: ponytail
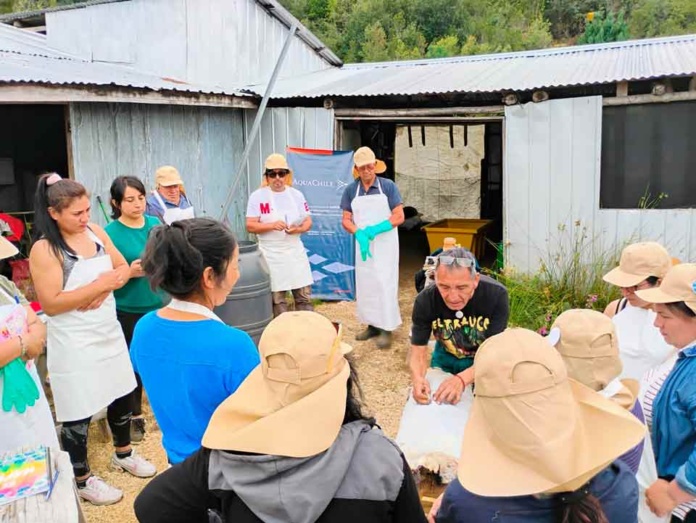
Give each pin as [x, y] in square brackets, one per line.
[580, 507]
[56, 193]
[176, 255]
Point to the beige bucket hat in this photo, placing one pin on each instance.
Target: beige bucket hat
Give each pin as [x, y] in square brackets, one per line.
[7, 248]
[531, 428]
[365, 156]
[294, 402]
[679, 284]
[638, 262]
[276, 161]
[167, 176]
[587, 342]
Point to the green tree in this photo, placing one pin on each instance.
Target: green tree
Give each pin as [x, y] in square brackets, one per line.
[603, 28]
[443, 47]
[374, 47]
[663, 17]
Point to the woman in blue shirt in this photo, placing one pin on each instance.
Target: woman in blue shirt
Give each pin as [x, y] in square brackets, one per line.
[672, 413]
[188, 359]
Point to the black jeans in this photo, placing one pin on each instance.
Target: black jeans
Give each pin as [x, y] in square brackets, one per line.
[128, 321]
[73, 434]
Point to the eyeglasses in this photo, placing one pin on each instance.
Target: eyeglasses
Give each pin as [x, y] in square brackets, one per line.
[276, 174]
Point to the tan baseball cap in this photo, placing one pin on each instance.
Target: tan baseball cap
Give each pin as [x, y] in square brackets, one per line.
[589, 347]
[167, 176]
[638, 262]
[679, 284]
[548, 433]
[7, 248]
[294, 402]
[365, 156]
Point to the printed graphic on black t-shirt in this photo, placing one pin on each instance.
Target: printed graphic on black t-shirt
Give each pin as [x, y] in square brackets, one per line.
[485, 315]
[461, 337]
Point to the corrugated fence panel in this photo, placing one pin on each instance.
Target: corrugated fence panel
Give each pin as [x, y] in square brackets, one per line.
[551, 162]
[283, 127]
[551, 189]
[205, 144]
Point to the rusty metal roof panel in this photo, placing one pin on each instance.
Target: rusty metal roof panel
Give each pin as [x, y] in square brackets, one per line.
[526, 70]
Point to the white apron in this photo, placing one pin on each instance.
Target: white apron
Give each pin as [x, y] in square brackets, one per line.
[285, 254]
[173, 214]
[641, 346]
[35, 426]
[377, 278]
[87, 354]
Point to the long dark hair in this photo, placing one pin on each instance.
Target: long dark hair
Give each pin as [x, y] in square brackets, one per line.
[354, 399]
[176, 255]
[118, 191]
[580, 507]
[57, 196]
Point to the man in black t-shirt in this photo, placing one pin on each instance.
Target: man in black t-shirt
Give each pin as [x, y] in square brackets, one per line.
[461, 310]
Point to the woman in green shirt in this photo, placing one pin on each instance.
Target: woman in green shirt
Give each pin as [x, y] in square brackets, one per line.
[129, 232]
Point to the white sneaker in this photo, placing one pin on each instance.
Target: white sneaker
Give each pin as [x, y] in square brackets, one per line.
[134, 464]
[98, 492]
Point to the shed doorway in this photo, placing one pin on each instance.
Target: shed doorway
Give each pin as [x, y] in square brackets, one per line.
[33, 141]
[444, 168]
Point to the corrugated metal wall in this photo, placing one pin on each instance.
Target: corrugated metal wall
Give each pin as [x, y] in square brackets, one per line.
[551, 184]
[282, 127]
[205, 144]
[226, 43]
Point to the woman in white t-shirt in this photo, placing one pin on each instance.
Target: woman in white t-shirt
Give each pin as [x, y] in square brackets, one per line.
[278, 214]
[642, 266]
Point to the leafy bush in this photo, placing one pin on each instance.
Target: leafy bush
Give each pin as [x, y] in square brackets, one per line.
[570, 276]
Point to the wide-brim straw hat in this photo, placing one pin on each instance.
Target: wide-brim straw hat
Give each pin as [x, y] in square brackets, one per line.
[365, 156]
[168, 176]
[7, 248]
[679, 284]
[294, 402]
[638, 262]
[276, 161]
[532, 429]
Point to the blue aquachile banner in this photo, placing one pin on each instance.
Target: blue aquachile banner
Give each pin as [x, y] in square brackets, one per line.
[322, 176]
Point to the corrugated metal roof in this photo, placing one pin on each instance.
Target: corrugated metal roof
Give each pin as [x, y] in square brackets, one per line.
[272, 7]
[25, 15]
[526, 70]
[26, 58]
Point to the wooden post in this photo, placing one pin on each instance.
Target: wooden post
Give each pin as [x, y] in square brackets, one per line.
[621, 89]
[692, 84]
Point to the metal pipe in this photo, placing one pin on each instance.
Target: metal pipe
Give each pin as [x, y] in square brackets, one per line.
[257, 123]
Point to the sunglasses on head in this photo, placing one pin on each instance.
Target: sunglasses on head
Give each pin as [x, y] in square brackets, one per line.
[453, 260]
[277, 174]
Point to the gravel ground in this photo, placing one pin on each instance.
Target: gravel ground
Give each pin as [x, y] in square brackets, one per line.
[383, 375]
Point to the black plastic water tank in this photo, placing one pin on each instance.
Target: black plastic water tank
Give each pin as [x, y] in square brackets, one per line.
[249, 306]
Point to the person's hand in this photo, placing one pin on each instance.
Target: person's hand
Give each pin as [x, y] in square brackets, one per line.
[364, 244]
[421, 391]
[450, 391]
[294, 230]
[136, 269]
[435, 508]
[110, 280]
[19, 388]
[34, 340]
[95, 303]
[659, 500]
[280, 225]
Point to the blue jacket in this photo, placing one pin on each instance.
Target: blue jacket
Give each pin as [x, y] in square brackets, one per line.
[674, 423]
[615, 487]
